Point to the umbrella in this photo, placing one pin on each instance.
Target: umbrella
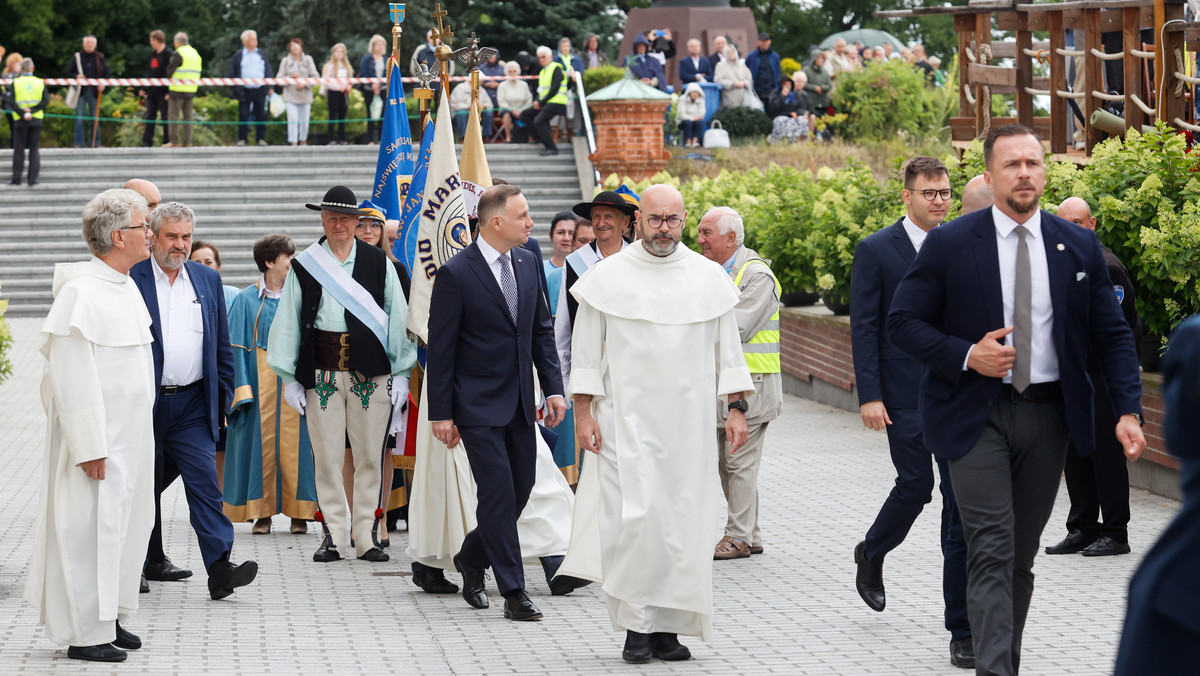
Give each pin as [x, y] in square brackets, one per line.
[869, 37]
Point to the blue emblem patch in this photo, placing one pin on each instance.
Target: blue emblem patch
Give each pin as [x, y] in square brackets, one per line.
[1120, 293]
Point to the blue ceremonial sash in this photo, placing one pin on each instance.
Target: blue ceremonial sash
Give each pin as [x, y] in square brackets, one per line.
[345, 289]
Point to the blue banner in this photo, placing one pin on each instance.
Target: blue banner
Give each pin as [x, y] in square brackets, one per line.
[405, 249]
[394, 169]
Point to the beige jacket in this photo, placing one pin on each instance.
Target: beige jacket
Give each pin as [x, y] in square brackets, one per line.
[759, 300]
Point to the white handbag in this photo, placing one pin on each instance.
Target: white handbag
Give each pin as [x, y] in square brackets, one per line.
[72, 98]
[716, 136]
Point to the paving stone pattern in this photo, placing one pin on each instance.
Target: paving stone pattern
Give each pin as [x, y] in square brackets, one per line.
[793, 610]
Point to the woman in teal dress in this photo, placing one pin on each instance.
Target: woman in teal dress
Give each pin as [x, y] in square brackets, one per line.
[562, 238]
[268, 458]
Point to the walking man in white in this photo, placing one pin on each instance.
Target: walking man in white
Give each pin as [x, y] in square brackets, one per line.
[97, 503]
[652, 324]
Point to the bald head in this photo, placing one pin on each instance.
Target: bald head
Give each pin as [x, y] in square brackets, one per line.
[146, 189]
[977, 195]
[1078, 212]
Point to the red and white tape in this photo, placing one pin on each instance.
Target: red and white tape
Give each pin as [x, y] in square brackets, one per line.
[238, 81]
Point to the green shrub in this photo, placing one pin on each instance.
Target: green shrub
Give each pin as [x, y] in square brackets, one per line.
[743, 122]
[595, 79]
[886, 99]
[789, 66]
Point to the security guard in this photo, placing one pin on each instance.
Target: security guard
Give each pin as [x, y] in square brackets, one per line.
[27, 103]
[551, 100]
[185, 65]
[720, 235]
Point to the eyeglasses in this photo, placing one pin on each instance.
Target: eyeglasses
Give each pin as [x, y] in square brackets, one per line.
[657, 221]
[144, 227]
[930, 194]
[369, 225]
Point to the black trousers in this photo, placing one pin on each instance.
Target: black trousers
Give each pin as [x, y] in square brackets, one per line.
[913, 490]
[1100, 482]
[156, 108]
[503, 462]
[539, 121]
[253, 109]
[26, 135]
[1006, 484]
[338, 103]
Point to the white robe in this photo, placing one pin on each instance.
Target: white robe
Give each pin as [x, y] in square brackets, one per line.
[98, 393]
[655, 343]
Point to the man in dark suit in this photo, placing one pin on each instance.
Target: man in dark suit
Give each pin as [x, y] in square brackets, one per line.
[193, 366]
[888, 382]
[1162, 620]
[493, 329]
[695, 67]
[1004, 415]
[719, 44]
[1099, 483]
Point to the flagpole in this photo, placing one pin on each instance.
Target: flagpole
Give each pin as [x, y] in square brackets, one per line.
[445, 36]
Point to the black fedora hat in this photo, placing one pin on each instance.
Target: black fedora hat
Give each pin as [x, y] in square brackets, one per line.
[339, 198]
[608, 198]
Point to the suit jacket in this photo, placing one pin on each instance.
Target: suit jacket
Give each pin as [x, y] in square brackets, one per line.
[882, 371]
[480, 364]
[1162, 620]
[217, 366]
[687, 71]
[951, 297]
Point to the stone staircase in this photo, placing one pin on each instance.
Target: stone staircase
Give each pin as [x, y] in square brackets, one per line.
[238, 194]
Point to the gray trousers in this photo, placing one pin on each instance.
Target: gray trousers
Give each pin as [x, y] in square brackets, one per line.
[1006, 485]
[739, 481]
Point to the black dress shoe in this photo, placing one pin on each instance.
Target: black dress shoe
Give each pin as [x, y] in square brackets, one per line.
[962, 653]
[1106, 546]
[637, 648]
[327, 552]
[432, 580]
[375, 555]
[126, 640]
[144, 587]
[224, 577]
[562, 585]
[1075, 541]
[164, 571]
[518, 607]
[667, 647]
[473, 590]
[548, 151]
[96, 653]
[869, 580]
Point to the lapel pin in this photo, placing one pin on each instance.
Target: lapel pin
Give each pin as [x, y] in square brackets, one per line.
[1061, 247]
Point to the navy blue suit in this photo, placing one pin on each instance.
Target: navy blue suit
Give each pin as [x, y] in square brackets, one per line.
[186, 424]
[1162, 619]
[480, 375]
[951, 297]
[688, 71]
[882, 372]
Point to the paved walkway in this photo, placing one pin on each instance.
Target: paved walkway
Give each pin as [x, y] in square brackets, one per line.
[793, 610]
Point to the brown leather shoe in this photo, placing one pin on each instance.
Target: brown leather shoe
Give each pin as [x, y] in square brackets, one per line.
[728, 548]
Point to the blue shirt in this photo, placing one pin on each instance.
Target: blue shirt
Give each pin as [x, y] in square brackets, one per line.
[253, 66]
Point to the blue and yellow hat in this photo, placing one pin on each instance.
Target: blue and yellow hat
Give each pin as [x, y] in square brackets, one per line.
[629, 196]
[368, 209]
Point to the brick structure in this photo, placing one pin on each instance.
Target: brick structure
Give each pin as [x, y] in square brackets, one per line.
[628, 117]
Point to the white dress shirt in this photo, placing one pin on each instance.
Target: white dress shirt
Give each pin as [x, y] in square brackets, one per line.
[915, 234]
[1043, 362]
[181, 322]
[263, 291]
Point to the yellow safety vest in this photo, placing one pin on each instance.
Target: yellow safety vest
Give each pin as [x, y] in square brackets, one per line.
[762, 350]
[188, 70]
[27, 91]
[544, 79]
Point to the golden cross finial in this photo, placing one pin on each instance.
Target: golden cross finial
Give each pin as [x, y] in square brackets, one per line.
[438, 13]
[447, 37]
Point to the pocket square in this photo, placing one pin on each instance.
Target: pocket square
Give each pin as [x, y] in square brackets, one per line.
[1080, 276]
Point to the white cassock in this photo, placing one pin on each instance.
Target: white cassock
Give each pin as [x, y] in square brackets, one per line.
[98, 392]
[441, 508]
[655, 343]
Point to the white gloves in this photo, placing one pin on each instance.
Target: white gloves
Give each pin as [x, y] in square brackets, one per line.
[399, 409]
[293, 394]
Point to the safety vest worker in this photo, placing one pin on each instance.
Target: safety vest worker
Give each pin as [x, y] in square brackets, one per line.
[27, 92]
[762, 350]
[546, 77]
[188, 70]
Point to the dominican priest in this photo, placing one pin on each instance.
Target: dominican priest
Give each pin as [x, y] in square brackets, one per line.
[655, 343]
[97, 499]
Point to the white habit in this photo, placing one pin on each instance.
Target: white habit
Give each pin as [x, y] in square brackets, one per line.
[98, 392]
[655, 343]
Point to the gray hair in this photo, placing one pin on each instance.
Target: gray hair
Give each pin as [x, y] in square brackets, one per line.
[181, 38]
[27, 65]
[799, 76]
[171, 212]
[728, 219]
[108, 212]
[689, 42]
[731, 53]
[248, 33]
[544, 50]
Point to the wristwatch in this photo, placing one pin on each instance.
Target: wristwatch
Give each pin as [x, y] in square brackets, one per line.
[740, 405]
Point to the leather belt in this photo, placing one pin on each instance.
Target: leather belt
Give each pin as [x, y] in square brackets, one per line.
[331, 350]
[172, 390]
[1036, 392]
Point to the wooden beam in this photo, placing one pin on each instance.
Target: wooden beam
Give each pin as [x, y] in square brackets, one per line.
[993, 76]
[1132, 39]
[1024, 71]
[965, 26]
[983, 35]
[1058, 81]
[1007, 49]
[1172, 106]
[1095, 78]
